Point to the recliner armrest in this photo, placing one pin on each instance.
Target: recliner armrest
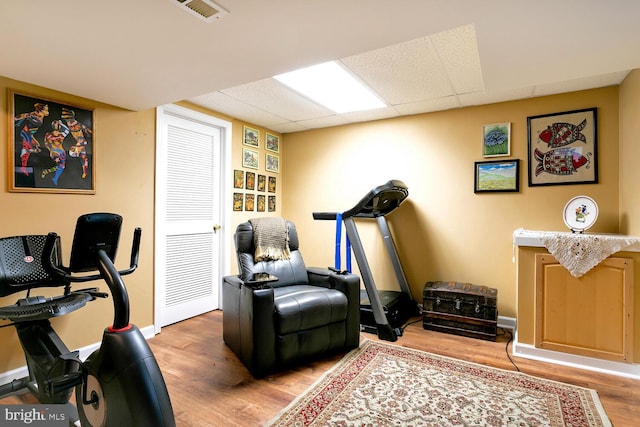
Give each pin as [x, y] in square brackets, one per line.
[348, 284]
[238, 283]
[235, 281]
[248, 323]
[329, 278]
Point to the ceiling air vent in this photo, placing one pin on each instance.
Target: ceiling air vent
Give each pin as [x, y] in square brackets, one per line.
[206, 10]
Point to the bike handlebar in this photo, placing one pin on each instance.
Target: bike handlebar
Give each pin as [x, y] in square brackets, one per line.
[108, 273]
[65, 272]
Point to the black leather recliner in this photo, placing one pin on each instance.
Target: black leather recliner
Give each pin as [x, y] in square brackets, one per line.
[304, 314]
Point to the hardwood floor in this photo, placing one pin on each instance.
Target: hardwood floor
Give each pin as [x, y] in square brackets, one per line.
[210, 387]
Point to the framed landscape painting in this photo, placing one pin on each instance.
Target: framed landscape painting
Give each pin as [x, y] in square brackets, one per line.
[497, 176]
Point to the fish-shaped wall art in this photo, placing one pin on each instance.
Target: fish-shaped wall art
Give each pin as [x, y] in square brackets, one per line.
[561, 134]
[561, 161]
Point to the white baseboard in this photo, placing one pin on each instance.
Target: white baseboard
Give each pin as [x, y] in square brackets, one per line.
[507, 323]
[21, 372]
[528, 351]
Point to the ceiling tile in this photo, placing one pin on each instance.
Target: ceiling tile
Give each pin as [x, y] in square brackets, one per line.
[368, 115]
[402, 73]
[272, 96]
[458, 51]
[479, 98]
[289, 127]
[322, 122]
[429, 105]
[230, 106]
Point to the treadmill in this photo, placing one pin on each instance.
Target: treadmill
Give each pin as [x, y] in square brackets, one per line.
[382, 312]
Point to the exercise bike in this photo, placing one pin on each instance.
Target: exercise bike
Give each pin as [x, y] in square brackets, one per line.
[120, 384]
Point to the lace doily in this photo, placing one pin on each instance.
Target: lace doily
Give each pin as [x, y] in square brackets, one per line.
[579, 253]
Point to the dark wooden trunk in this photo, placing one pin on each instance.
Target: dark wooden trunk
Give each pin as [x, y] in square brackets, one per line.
[460, 309]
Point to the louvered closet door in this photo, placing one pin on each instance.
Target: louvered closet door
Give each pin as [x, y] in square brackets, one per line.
[192, 216]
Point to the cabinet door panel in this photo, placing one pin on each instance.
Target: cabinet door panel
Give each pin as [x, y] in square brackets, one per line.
[591, 315]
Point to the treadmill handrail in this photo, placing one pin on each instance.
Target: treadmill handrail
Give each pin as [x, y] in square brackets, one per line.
[330, 216]
[390, 194]
[377, 202]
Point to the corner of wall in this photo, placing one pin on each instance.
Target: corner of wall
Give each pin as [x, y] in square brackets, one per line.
[629, 173]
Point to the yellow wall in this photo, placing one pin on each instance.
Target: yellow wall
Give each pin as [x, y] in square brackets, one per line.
[124, 160]
[629, 154]
[443, 231]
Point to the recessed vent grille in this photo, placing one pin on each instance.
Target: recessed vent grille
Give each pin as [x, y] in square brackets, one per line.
[206, 10]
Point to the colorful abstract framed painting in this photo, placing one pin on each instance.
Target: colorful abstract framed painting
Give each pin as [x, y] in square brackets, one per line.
[496, 140]
[497, 176]
[563, 148]
[51, 146]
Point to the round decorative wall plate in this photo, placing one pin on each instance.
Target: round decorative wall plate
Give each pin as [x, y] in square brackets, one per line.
[580, 213]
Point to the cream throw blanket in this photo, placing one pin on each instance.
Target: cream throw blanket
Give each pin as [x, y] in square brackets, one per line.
[270, 238]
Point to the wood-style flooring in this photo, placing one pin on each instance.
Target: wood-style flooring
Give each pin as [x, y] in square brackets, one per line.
[210, 387]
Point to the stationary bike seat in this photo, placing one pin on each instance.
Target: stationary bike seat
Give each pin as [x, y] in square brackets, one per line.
[40, 308]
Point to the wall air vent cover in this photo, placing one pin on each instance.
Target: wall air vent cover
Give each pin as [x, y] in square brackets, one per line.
[206, 10]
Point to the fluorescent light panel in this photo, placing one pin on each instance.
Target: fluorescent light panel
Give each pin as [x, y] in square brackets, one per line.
[332, 86]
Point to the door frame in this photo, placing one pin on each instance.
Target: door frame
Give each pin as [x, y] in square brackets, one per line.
[225, 195]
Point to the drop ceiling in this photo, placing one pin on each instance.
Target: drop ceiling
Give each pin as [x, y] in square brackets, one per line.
[417, 55]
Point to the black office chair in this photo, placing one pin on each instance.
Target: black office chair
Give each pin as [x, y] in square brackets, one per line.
[277, 312]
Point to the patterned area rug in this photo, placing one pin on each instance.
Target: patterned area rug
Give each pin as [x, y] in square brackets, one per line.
[381, 384]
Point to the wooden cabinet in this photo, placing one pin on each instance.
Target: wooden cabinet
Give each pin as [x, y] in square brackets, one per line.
[589, 316]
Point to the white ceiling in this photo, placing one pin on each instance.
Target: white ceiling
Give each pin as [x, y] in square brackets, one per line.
[418, 55]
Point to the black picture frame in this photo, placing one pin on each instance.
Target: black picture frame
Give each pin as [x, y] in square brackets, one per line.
[563, 148]
[497, 176]
[51, 146]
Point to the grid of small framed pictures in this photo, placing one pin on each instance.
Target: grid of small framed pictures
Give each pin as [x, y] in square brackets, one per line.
[251, 150]
[258, 188]
[259, 191]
